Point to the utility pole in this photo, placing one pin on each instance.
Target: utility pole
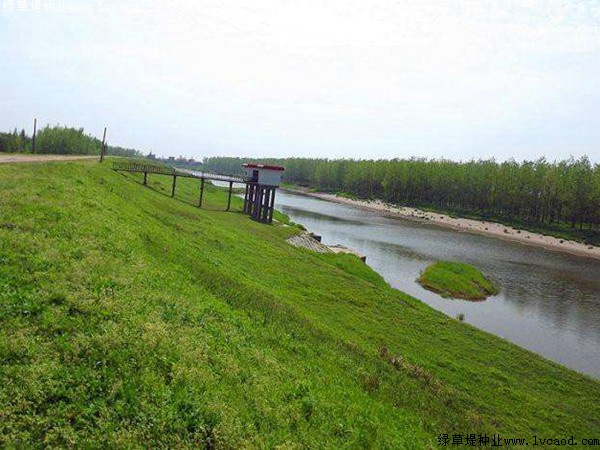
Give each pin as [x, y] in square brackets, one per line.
[102, 150]
[33, 137]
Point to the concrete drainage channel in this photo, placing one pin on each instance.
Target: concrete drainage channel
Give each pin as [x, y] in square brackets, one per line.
[312, 242]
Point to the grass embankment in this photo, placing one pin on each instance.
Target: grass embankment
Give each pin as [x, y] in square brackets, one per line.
[457, 280]
[128, 318]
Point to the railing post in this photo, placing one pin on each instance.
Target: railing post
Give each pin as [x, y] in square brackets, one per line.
[174, 184]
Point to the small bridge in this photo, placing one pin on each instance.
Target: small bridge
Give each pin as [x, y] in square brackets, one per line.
[261, 183]
[125, 166]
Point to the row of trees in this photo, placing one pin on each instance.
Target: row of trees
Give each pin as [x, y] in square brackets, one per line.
[180, 162]
[536, 192]
[15, 141]
[60, 140]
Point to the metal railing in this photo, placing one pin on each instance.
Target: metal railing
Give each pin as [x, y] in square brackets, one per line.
[128, 166]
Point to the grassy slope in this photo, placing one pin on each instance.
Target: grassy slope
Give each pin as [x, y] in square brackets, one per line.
[457, 280]
[127, 316]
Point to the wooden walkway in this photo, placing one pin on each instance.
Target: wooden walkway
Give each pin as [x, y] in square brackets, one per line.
[164, 170]
[259, 199]
[126, 166]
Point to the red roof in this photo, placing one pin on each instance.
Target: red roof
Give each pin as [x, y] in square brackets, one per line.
[263, 166]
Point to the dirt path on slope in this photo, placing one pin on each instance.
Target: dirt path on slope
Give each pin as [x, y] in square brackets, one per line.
[17, 158]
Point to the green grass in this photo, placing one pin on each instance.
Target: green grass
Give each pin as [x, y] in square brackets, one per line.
[128, 318]
[457, 280]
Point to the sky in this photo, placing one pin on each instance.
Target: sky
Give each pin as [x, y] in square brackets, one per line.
[456, 79]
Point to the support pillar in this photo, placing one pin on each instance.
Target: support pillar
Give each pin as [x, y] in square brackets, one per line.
[257, 207]
[259, 202]
[272, 206]
[246, 198]
[145, 178]
[201, 192]
[251, 198]
[174, 184]
[254, 206]
[264, 213]
[229, 196]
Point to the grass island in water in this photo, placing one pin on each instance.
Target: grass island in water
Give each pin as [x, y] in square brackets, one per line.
[457, 280]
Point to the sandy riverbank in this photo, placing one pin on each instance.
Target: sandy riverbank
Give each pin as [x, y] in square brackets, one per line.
[468, 225]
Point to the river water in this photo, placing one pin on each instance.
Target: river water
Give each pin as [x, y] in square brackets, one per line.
[549, 302]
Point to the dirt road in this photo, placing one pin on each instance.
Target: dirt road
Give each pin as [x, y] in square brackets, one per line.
[18, 158]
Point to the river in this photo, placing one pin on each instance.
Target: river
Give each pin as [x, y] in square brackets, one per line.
[549, 302]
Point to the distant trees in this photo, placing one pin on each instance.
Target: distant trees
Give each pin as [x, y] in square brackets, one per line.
[536, 192]
[60, 140]
[64, 140]
[14, 141]
[121, 151]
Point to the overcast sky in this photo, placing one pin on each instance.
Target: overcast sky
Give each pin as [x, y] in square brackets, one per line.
[325, 78]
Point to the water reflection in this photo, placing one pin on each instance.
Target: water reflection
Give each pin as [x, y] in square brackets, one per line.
[549, 302]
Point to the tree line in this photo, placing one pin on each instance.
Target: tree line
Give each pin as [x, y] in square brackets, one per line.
[543, 193]
[59, 140]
